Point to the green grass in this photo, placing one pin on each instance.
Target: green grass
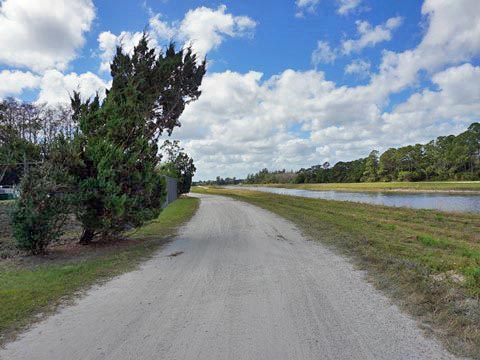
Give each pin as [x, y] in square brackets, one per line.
[27, 291]
[439, 186]
[428, 261]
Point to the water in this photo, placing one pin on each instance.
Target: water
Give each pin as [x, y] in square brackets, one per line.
[437, 201]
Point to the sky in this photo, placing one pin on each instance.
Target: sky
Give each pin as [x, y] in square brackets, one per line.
[289, 83]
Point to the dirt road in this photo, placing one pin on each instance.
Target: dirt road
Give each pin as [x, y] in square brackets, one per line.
[247, 286]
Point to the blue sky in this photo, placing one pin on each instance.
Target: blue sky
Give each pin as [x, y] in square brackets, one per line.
[281, 40]
[290, 83]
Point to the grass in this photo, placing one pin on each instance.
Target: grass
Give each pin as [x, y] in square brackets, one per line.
[427, 261]
[27, 291]
[437, 186]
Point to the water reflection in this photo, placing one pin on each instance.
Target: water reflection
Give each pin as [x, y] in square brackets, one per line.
[438, 201]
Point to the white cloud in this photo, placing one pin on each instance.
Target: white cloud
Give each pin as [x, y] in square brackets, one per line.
[108, 42]
[56, 87]
[241, 119]
[15, 82]
[306, 5]
[452, 37]
[323, 54]
[203, 28]
[39, 35]
[161, 28]
[347, 6]
[370, 36]
[243, 123]
[457, 99]
[359, 67]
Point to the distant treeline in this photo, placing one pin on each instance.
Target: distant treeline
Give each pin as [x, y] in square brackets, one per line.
[220, 181]
[446, 158]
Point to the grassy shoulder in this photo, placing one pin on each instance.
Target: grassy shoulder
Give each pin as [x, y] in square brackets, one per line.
[438, 186]
[428, 261]
[30, 288]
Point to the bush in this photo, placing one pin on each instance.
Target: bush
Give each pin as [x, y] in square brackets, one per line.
[42, 208]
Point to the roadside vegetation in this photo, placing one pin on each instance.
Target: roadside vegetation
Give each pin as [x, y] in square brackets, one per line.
[427, 261]
[425, 186]
[31, 287]
[100, 161]
[91, 180]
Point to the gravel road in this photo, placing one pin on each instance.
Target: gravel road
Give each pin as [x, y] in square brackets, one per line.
[248, 285]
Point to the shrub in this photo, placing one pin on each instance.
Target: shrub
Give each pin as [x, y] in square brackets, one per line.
[42, 208]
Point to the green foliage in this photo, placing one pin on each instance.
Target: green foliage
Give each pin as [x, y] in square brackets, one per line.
[475, 276]
[265, 177]
[371, 168]
[42, 209]
[430, 241]
[110, 152]
[178, 165]
[117, 149]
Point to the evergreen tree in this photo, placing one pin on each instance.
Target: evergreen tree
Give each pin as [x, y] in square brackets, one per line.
[117, 139]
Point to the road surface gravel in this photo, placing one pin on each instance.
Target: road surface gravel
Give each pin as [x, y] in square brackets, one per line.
[248, 285]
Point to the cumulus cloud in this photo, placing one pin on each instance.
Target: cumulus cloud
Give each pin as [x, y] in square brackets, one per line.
[369, 36]
[323, 54]
[306, 5]
[251, 120]
[56, 87]
[162, 28]
[15, 82]
[358, 67]
[53, 86]
[203, 28]
[452, 37]
[345, 7]
[107, 42]
[457, 100]
[41, 35]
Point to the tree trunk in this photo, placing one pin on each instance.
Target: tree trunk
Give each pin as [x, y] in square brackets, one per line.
[87, 236]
